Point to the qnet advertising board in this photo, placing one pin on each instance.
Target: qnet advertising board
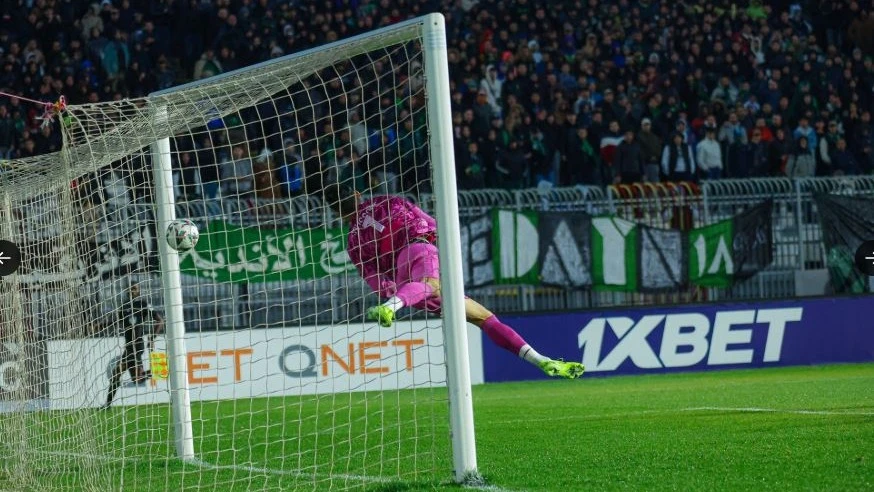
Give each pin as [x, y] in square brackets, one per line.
[264, 362]
[694, 337]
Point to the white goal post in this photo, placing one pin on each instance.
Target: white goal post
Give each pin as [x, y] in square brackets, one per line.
[271, 375]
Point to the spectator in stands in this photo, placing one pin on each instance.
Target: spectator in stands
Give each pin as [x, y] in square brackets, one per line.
[843, 161]
[7, 133]
[651, 150]
[863, 131]
[599, 62]
[628, 160]
[805, 130]
[732, 136]
[802, 163]
[512, 166]
[27, 149]
[115, 58]
[581, 162]
[541, 155]
[210, 159]
[827, 145]
[491, 87]
[358, 133]
[759, 155]
[609, 143]
[709, 155]
[186, 175]
[353, 175]
[677, 161]
[471, 168]
[237, 174]
[778, 153]
[264, 168]
[764, 132]
[725, 92]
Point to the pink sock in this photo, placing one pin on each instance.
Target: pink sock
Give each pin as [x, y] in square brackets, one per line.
[414, 293]
[503, 336]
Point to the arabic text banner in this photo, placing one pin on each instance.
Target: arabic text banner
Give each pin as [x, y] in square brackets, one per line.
[258, 363]
[229, 253]
[694, 338]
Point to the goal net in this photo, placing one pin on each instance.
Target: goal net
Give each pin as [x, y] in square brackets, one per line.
[290, 387]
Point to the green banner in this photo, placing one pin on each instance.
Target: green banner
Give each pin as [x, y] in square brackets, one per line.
[710, 259]
[734, 249]
[562, 249]
[614, 254]
[228, 253]
[515, 246]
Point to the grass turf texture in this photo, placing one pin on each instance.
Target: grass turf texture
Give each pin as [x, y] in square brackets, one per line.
[805, 428]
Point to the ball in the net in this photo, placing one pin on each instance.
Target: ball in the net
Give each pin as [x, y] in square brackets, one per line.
[182, 234]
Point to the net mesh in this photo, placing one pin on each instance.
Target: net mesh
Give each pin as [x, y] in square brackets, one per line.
[290, 387]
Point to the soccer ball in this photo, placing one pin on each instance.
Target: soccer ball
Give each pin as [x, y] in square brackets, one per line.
[182, 234]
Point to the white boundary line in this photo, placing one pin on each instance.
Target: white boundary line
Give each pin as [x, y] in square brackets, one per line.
[777, 410]
[599, 416]
[204, 464]
[255, 469]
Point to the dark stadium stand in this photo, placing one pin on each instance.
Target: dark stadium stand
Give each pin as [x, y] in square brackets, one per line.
[547, 90]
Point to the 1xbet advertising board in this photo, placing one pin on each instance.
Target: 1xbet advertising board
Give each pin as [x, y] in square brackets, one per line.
[692, 338]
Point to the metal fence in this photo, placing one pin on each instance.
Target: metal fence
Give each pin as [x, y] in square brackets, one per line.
[796, 233]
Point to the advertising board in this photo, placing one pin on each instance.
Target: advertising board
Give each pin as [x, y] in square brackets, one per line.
[259, 363]
[23, 375]
[695, 337]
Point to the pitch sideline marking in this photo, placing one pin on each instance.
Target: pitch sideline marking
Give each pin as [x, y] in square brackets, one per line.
[489, 488]
[269, 471]
[204, 464]
[686, 409]
[776, 410]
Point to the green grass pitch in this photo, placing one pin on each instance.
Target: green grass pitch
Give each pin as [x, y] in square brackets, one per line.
[804, 428]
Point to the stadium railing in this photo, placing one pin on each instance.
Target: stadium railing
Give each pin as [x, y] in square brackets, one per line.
[796, 232]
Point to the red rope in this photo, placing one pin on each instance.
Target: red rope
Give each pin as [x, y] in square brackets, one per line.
[49, 109]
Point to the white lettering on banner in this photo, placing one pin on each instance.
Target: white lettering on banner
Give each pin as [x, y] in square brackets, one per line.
[613, 232]
[633, 345]
[590, 340]
[673, 338]
[723, 336]
[776, 319]
[519, 244]
[720, 256]
[682, 331]
[334, 258]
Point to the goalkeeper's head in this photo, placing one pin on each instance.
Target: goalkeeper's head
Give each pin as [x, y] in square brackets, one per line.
[343, 200]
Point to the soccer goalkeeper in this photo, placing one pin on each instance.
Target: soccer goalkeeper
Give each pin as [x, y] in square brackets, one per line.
[392, 242]
[134, 315]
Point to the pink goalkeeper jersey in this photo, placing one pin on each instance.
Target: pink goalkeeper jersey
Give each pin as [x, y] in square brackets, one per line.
[384, 226]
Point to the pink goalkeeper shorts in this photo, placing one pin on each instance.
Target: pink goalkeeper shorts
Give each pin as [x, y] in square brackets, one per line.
[416, 262]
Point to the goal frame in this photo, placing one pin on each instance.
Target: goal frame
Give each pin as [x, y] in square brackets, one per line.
[436, 67]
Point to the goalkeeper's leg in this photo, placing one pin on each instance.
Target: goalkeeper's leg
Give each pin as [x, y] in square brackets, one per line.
[419, 286]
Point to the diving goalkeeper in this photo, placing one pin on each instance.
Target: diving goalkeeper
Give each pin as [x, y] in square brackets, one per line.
[392, 243]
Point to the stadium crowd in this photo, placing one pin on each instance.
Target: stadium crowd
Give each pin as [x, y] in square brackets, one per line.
[570, 92]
